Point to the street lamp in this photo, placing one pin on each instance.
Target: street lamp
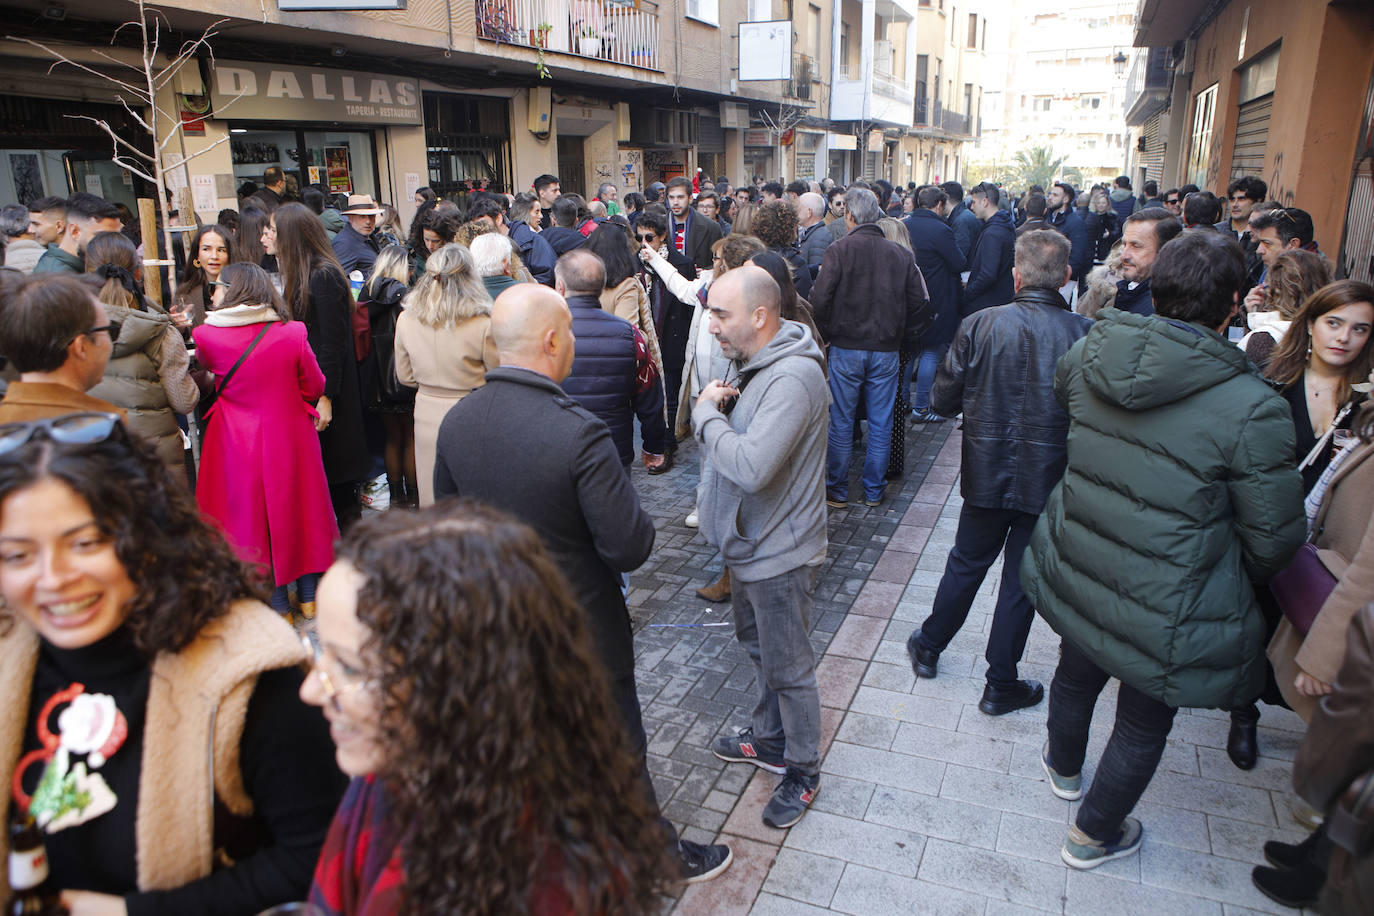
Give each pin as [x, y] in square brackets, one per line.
[1120, 62]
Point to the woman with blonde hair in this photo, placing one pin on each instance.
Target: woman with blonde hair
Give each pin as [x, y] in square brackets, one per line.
[744, 219]
[1295, 276]
[148, 372]
[383, 393]
[443, 347]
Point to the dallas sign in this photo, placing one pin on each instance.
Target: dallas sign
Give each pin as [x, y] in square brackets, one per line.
[268, 92]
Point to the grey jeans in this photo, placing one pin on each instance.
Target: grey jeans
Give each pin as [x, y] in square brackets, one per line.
[772, 617]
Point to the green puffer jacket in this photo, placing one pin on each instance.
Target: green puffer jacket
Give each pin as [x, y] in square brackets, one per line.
[1180, 488]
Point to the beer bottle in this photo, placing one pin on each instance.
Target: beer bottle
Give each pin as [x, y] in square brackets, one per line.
[31, 891]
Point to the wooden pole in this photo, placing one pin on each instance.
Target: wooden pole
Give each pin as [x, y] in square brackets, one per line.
[152, 274]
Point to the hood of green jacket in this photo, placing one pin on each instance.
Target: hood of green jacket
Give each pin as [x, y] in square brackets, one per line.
[1140, 363]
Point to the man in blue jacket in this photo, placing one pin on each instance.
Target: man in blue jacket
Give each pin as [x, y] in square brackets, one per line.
[1143, 235]
[989, 279]
[355, 246]
[966, 225]
[941, 263]
[1063, 218]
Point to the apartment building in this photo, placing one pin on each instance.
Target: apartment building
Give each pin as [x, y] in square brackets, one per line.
[1061, 73]
[1282, 89]
[432, 93]
[951, 71]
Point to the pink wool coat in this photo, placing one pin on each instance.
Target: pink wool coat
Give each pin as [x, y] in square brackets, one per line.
[261, 475]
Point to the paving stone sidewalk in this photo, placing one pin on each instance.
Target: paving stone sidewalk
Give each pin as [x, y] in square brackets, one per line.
[926, 805]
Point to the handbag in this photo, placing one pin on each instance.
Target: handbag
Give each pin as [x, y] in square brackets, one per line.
[1302, 587]
[208, 403]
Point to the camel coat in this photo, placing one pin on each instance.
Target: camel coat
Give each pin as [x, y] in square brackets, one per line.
[444, 364]
[629, 301]
[1346, 546]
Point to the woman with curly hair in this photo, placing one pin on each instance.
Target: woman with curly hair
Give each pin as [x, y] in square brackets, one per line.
[467, 702]
[775, 224]
[152, 726]
[148, 372]
[443, 348]
[261, 472]
[212, 247]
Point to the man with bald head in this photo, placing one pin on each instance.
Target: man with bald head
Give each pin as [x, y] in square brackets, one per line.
[762, 503]
[815, 235]
[524, 446]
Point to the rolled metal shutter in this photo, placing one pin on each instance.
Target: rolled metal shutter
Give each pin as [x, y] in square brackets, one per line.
[710, 135]
[1356, 258]
[1152, 156]
[1252, 136]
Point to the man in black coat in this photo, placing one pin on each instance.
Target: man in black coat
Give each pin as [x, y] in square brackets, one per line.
[688, 232]
[989, 278]
[520, 444]
[1000, 375]
[1065, 219]
[940, 262]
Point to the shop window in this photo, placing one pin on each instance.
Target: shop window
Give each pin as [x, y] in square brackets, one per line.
[343, 162]
[468, 143]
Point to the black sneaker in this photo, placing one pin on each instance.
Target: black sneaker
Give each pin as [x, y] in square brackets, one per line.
[791, 799]
[998, 701]
[1290, 855]
[702, 863]
[742, 749]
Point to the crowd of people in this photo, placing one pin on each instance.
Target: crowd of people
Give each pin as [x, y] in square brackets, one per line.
[1165, 437]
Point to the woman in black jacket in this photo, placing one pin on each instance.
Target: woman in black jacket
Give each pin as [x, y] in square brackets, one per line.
[382, 393]
[1104, 226]
[775, 224]
[317, 293]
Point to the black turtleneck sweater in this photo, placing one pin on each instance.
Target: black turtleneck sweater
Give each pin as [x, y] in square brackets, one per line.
[274, 850]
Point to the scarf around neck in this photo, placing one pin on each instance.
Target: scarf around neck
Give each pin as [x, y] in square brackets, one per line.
[238, 316]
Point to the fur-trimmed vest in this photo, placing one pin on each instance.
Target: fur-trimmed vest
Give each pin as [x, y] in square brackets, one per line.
[197, 703]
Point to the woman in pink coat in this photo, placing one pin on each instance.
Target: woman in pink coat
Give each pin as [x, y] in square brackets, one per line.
[261, 474]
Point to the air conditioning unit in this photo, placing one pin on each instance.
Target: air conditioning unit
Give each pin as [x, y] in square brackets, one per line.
[735, 115]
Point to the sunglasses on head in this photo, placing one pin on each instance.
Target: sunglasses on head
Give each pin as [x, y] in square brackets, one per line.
[71, 429]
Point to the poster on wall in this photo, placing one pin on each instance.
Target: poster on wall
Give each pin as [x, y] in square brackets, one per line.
[28, 177]
[337, 167]
[631, 170]
[316, 173]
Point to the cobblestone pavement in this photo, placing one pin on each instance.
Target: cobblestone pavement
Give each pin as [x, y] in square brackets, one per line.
[926, 805]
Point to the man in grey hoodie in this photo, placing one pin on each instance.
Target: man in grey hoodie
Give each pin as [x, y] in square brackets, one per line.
[763, 437]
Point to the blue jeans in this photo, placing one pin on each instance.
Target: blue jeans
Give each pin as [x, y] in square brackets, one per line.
[874, 374]
[1133, 751]
[772, 617]
[926, 367]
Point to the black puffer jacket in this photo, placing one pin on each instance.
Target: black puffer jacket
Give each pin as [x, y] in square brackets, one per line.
[1000, 373]
[604, 378]
[381, 390]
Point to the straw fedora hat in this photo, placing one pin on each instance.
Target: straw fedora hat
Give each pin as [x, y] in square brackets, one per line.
[361, 205]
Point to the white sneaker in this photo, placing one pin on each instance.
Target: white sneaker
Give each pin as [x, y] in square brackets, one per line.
[692, 519]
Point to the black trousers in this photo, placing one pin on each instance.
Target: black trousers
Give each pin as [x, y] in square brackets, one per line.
[627, 701]
[983, 534]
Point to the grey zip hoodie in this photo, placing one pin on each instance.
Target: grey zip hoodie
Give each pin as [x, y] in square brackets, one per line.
[762, 499]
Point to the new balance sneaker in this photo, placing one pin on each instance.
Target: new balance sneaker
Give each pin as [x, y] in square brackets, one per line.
[702, 863]
[791, 799]
[1082, 851]
[1069, 788]
[742, 749]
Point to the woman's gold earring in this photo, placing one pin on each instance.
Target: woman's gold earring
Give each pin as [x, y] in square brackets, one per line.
[196, 263]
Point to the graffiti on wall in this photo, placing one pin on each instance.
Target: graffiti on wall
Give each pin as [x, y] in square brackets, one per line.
[631, 173]
[1277, 190]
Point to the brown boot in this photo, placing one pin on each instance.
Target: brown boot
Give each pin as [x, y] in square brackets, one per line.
[718, 590]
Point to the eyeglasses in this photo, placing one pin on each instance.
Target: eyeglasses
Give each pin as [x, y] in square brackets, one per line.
[334, 686]
[112, 329]
[71, 429]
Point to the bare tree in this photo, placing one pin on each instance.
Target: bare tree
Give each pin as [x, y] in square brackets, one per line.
[137, 92]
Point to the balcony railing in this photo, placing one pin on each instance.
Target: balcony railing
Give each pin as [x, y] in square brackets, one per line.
[894, 87]
[615, 32]
[939, 118]
[803, 76]
[1147, 87]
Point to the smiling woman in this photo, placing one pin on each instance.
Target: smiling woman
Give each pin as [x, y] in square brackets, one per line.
[149, 693]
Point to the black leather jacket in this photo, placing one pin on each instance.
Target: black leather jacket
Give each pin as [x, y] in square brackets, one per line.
[1000, 373]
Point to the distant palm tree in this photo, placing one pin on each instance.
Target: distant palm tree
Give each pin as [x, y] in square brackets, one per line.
[1040, 166]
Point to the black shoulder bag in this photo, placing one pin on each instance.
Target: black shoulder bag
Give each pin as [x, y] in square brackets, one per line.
[208, 403]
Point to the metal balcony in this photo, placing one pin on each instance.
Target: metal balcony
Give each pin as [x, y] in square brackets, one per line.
[615, 32]
[1147, 86]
